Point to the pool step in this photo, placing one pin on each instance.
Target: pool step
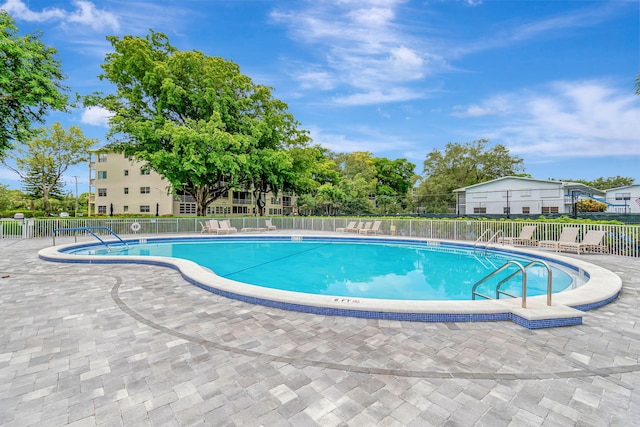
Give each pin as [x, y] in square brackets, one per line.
[539, 315]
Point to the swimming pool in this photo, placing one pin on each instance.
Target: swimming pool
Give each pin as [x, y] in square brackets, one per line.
[354, 269]
[601, 286]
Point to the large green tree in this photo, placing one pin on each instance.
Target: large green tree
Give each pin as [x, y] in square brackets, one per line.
[42, 161]
[30, 82]
[607, 183]
[196, 119]
[461, 165]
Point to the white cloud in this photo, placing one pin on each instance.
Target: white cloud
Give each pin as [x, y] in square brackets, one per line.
[85, 14]
[96, 116]
[396, 94]
[361, 45]
[19, 10]
[364, 139]
[564, 119]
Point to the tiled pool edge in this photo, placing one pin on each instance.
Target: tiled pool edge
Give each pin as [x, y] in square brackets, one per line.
[499, 314]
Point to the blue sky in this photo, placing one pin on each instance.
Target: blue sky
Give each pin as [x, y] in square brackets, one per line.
[551, 80]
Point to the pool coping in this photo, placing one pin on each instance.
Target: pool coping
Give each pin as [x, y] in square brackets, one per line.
[602, 286]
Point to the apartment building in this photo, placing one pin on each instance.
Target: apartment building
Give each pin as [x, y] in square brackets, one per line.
[118, 185]
[623, 199]
[519, 195]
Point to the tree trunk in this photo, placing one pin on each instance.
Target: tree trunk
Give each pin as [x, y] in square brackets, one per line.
[45, 202]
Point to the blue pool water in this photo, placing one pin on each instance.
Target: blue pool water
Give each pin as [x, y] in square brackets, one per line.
[349, 269]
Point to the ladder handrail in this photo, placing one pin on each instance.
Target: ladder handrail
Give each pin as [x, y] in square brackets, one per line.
[479, 240]
[488, 242]
[489, 276]
[526, 267]
[88, 229]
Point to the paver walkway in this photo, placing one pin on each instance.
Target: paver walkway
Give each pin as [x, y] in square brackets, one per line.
[114, 345]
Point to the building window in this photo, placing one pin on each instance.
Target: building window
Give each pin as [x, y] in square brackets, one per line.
[240, 210]
[102, 174]
[102, 209]
[550, 209]
[275, 211]
[187, 208]
[126, 172]
[145, 209]
[526, 210]
[479, 210]
[241, 198]
[623, 196]
[286, 201]
[102, 158]
[218, 210]
[126, 190]
[145, 171]
[125, 209]
[145, 190]
[506, 210]
[275, 200]
[102, 192]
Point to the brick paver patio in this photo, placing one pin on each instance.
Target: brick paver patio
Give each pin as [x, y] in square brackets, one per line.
[114, 345]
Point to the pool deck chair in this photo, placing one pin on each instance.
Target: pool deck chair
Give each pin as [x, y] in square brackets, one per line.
[351, 226]
[592, 242]
[225, 225]
[568, 235]
[375, 229]
[269, 225]
[355, 229]
[205, 227]
[367, 226]
[524, 239]
[214, 227]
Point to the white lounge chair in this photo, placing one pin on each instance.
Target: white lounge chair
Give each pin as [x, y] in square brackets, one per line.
[355, 229]
[367, 226]
[591, 242]
[225, 225]
[568, 235]
[375, 229]
[269, 225]
[214, 227]
[525, 238]
[351, 226]
[205, 227]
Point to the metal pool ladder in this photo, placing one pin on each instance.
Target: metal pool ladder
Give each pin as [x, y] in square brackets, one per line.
[485, 245]
[521, 270]
[89, 230]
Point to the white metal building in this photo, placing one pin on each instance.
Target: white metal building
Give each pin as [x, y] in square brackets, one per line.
[518, 195]
[623, 199]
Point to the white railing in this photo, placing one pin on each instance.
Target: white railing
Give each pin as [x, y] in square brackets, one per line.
[620, 239]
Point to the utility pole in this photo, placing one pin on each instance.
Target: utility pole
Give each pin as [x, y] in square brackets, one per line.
[76, 195]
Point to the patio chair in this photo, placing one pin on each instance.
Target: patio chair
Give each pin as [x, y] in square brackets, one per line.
[375, 229]
[524, 239]
[205, 228]
[355, 229]
[363, 229]
[214, 227]
[269, 225]
[568, 235]
[225, 225]
[591, 242]
[351, 226]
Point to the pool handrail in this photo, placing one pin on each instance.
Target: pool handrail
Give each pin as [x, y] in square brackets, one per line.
[490, 275]
[479, 241]
[526, 267]
[89, 230]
